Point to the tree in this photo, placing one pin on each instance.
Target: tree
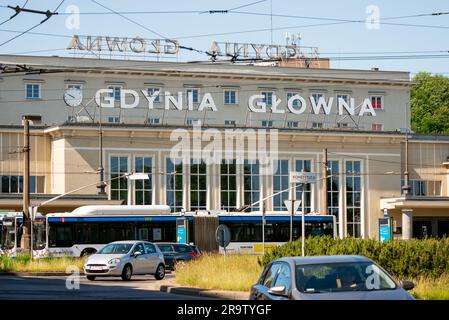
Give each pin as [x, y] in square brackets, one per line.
[430, 104]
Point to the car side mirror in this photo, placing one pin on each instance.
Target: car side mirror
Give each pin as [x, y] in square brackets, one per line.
[407, 285]
[137, 253]
[278, 291]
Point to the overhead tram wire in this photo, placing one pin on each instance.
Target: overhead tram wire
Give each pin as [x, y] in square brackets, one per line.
[49, 14]
[150, 30]
[15, 14]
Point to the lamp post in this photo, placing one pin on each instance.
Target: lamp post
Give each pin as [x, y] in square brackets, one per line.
[27, 225]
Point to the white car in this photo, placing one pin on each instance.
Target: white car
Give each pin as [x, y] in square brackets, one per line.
[124, 259]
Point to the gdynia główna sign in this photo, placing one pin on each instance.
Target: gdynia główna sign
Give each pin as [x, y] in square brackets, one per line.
[296, 104]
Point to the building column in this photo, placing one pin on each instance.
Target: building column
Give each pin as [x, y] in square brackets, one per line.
[407, 224]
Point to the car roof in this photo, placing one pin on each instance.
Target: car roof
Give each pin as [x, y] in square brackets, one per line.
[325, 259]
[128, 241]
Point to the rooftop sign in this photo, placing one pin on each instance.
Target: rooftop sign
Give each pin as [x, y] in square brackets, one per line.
[136, 45]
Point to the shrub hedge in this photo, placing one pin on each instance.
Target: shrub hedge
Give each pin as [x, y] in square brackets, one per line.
[402, 258]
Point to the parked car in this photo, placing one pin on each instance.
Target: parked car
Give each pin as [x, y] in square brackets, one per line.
[125, 259]
[328, 277]
[176, 252]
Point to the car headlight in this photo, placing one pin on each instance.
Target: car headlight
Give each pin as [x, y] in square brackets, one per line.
[114, 261]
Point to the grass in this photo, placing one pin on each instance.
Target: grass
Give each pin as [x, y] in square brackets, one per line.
[212, 271]
[23, 263]
[240, 272]
[431, 289]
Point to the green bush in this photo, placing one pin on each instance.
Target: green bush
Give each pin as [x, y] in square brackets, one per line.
[403, 259]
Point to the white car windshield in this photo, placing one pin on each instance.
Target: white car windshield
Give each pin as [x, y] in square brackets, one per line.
[337, 277]
[121, 248]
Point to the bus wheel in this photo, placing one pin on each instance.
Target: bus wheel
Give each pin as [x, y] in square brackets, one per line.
[127, 272]
[87, 252]
[91, 278]
[160, 272]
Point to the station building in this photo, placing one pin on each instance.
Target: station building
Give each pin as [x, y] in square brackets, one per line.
[365, 146]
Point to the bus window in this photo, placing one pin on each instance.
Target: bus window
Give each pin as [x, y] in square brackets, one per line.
[39, 234]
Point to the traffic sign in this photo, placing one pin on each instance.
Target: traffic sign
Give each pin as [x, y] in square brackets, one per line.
[292, 208]
[302, 177]
[223, 235]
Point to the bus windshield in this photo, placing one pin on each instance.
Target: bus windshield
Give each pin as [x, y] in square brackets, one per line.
[8, 234]
[39, 234]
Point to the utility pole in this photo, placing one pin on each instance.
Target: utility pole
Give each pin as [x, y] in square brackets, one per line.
[324, 182]
[101, 184]
[406, 187]
[26, 236]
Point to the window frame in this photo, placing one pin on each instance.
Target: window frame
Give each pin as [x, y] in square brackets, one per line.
[157, 99]
[198, 95]
[39, 90]
[236, 98]
[382, 101]
[114, 86]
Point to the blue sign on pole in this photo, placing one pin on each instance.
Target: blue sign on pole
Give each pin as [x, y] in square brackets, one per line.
[182, 235]
[385, 229]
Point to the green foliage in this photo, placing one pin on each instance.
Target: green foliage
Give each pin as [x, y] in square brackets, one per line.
[430, 103]
[403, 259]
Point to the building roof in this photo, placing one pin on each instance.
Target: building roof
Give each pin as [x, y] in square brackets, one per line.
[206, 69]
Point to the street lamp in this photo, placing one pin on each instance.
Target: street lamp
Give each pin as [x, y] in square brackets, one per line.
[27, 224]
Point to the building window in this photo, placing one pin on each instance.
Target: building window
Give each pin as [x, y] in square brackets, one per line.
[152, 120]
[228, 178]
[316, 97]
[230, 122]
[296, 103]
[377, 102]
[376, 127]
[333, 190]
[116, 92]
[280, 182]
[305, 165]
[198, 185]
[251, 183]
[191, 121]
[344, 97]
[33, 91]
[195, 93]
[75, 86]
[143, 188]
[342, 125]
[230, 97]
[14, 184]
[353, 196]
[293, 124]
[317, 125]
[119, 186]
[174, 184]
[114, 119]
[267, 123]
[153, 91]
[267, 97]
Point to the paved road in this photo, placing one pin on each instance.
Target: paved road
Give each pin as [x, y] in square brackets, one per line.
[49, 288]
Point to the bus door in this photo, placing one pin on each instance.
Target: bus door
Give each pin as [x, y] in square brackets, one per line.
[182, 230]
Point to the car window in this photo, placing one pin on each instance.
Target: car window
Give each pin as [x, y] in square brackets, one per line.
[165, 248]
[139, 247]
[270, 275]
[284, 277]
[182, 249]
[150, 248]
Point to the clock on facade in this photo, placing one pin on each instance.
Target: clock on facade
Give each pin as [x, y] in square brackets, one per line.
[73, 97]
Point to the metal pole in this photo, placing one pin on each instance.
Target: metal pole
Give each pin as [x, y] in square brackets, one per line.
[291, 220]
[26, 186]
[32, 232]
[324, 183]
[303, 224]
[101, 185]
[263, 227]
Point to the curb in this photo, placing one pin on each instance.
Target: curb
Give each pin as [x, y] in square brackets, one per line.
[37, 274]
[206, 293]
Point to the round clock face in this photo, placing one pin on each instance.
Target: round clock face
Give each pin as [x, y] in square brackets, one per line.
[73, 97]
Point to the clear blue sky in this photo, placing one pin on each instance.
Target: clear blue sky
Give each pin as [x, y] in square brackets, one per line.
[332, 40]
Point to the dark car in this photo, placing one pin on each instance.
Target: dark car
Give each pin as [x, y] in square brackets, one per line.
[176, 252]
[328, 277]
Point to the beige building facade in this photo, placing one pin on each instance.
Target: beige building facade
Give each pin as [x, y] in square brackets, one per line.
[365, 150]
